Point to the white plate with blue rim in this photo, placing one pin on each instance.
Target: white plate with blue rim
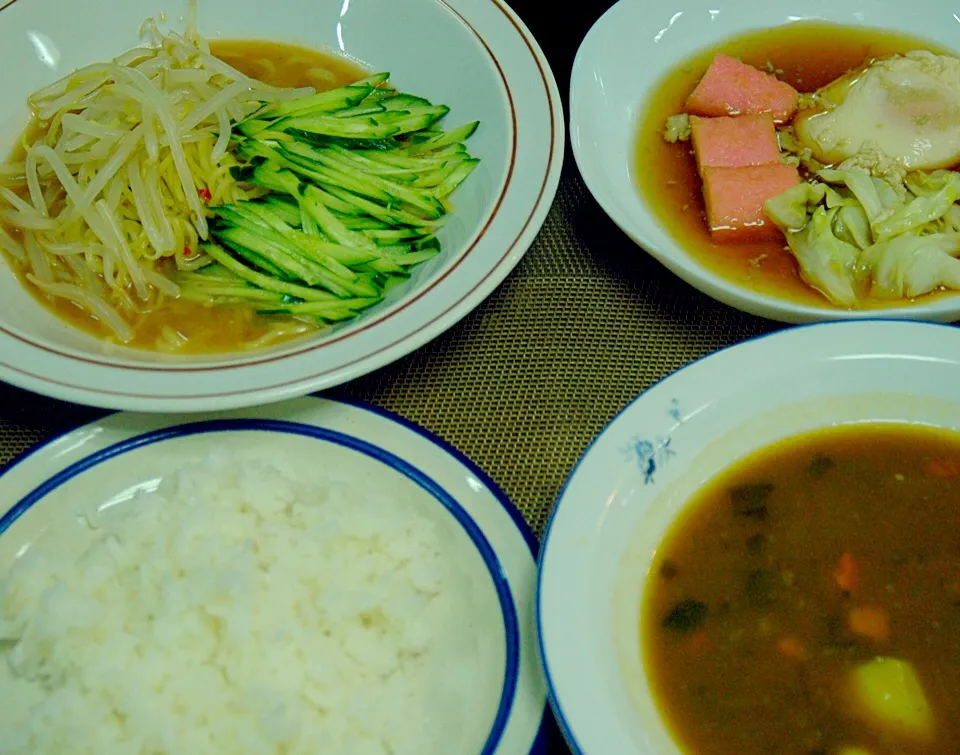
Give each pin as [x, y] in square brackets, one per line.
[646, 464]
[111, 464]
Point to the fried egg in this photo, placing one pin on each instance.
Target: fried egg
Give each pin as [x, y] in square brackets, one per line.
[907, 107]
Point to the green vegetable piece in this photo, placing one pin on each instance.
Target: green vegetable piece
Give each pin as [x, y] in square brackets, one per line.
[364, 108]
[387, 214]
[370, 146]
[677, 128]
[261, 262]
[226, 294]
[756, 544]
[388, 236]
[751, 500]
[686, 616]
[281, 256]
[911, 264]
[892, 194]
[405, 102]
[919, 211]
[820, 466]
[761, 588]
[669, 569]
[458, 176]
[923, 183]
[827, 263]
[861, 184]
[325, 102]
[286, 210]
[790, 211]
[454, 136]
[376, 81]
[834, 198]
[329, 223]
[222, 256]
[857, 229]
[335, 169]
[253, 126]
[355, 179]
[373, 126]
[329, 310]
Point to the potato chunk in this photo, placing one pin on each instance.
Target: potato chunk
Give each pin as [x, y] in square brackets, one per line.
[887, 693]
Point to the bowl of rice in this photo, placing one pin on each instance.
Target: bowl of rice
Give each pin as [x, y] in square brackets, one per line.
[316, 577]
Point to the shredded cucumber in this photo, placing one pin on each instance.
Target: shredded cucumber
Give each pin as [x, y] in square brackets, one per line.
[356, 183]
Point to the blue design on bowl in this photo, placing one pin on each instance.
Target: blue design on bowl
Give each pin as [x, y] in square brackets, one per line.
[652, 454]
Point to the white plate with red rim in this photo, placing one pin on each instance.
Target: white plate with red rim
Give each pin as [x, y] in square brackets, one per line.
[643, 468]
[475, 56]
[107, 462]
[621, 61]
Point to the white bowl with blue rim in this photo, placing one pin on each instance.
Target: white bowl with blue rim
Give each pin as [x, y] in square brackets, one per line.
[476, 56]
[619, 65]
[643, 467]
[107, 462]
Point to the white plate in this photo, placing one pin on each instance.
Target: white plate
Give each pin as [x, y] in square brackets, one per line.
[630, 49]
[108, 461]
[646, 464]
[474, 55]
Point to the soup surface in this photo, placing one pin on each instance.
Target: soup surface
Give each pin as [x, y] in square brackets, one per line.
[198, 328]
[806, 55]
[789, 575]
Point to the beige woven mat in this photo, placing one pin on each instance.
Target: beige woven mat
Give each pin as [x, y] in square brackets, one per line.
[523, 384]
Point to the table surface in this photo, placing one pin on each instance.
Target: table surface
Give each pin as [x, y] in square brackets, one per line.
[585, 323]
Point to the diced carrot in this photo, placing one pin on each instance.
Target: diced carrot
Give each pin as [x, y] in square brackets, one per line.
[734, 142]
[792, 648]
[734, 198]
[730, 87]
[701, 642]
[871, 622]
[847, 573]
[942, 467]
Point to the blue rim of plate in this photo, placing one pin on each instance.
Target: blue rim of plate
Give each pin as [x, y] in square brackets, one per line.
[420, 478]
[562, 723]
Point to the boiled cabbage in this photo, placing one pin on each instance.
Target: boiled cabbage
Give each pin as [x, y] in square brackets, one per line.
[791, 210]
[677, 128]
[827, 263]
[893, 234]
[911, 265]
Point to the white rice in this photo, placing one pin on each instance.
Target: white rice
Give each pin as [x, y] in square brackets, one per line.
[236, 611]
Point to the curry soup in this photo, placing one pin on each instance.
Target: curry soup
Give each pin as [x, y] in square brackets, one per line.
[784, 581]
[806, 55]
[199, 328]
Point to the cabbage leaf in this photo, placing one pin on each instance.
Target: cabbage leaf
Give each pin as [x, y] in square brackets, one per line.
[827, 263]
[911, 265]
[853, 232]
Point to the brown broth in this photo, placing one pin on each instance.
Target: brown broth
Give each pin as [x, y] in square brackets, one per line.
[222, 328]
[287, 65]
[886, 494]
[807, 55]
